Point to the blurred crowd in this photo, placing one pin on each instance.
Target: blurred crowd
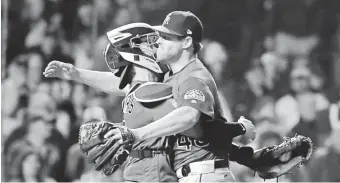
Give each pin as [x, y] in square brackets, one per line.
[275, 62]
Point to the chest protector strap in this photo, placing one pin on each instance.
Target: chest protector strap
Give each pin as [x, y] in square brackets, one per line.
[153, 92]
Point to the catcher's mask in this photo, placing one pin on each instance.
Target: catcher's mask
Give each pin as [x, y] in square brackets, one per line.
[132, 44]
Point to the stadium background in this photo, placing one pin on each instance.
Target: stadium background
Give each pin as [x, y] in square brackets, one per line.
[275, 62]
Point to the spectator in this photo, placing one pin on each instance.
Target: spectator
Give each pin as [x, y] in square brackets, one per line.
[94, 112]
[34, 135]
[76, 160]
[79, 98]
[327, 120]
[42, 104]
[215, 57]
[14, 84]
[296, 111]
[66, 120]
[324, 167]
[27, 166]
[14, 95]
[35, 67]
[61, 90]
[269, 138]
[263, 111]
[34, 11]
[52, 49]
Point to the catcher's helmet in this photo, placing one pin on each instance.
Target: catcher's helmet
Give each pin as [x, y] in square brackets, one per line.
[133, 43]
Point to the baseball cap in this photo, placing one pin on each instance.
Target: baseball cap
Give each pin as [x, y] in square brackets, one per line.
[182, 23]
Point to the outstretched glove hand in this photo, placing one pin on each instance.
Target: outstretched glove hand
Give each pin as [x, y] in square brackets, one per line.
[107, 154]
[274, 161]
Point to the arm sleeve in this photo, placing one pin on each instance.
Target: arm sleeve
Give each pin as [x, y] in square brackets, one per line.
[242, 155]
[195, 93]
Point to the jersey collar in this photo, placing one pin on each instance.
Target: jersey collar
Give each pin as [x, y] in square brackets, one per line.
[174, 69]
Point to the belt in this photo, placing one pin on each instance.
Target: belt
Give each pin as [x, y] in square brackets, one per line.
[208, 166]
[147, 153]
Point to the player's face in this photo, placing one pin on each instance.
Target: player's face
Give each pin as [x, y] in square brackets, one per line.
[170, 48]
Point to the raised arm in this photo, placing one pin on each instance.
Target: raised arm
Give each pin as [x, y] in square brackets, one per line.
[103, 81]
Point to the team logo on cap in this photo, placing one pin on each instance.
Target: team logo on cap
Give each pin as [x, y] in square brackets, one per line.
[195, 95]
[167, 19]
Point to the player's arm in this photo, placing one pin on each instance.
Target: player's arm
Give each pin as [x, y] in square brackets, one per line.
[104, 81]
[175, 122]
[195, 99]
[242, 155]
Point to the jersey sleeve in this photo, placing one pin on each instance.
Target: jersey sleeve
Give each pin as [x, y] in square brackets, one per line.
[195, 93]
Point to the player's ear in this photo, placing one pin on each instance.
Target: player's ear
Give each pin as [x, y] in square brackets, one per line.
[187, 42]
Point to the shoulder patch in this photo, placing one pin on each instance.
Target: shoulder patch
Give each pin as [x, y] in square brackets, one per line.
[194, 95]
[153, 92]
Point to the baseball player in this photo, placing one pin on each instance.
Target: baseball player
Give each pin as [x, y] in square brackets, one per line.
[145, 101]
[195, 93]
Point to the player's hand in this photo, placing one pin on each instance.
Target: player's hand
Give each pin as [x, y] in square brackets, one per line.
[121, 134]
[114, 134]
[61, 70]
[250, 129]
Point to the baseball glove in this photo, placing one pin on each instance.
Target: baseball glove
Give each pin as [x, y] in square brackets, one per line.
[105, 153]
[274, 161]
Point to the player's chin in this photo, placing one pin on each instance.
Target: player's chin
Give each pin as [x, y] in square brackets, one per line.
[159, 57]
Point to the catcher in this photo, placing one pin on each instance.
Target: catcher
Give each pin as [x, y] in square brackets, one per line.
[146, 100]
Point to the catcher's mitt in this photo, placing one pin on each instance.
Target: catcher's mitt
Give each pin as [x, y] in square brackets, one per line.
[274, 161]
[106, 154]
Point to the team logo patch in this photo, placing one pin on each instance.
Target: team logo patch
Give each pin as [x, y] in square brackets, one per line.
[195, 95]
[167, 19]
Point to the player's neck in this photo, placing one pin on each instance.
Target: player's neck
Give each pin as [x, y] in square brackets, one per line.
[144, 75]
[183, 61]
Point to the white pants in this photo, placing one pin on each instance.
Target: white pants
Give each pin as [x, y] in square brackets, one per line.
[204, 171]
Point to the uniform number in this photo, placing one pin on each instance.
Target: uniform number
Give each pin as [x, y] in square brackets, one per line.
[187, 143]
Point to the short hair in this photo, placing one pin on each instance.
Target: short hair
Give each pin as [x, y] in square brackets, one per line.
[197, 46]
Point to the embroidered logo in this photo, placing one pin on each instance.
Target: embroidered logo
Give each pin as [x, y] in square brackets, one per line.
[194, 95]
[167, 19]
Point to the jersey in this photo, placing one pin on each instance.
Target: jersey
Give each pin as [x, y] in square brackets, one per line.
[145, 103]
[194, 86]
[139, 112]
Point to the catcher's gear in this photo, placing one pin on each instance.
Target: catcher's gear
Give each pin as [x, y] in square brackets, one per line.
[153, 92]
[269, 162]
[133, 43]
[106, 154]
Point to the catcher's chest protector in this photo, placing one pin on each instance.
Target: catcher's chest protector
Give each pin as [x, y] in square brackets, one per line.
[146, 103]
